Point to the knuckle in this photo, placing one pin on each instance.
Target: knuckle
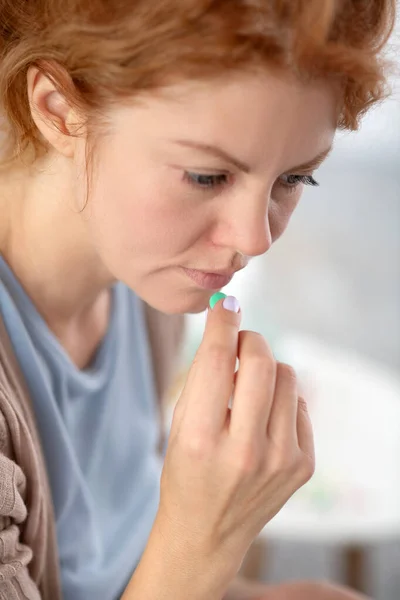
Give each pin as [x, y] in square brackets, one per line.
[305, 468]
[259, 361]
[196, 446]
[281, 463]
[218, 357]
[293, 466]
[287, 372]
[308, 468]
[247, 460]
[255, 342]
[302, 404]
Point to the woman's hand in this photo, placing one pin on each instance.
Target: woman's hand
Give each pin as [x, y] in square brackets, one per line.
[228, 471]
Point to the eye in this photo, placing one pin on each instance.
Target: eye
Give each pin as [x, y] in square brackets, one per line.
[202, 181]
[292, 181]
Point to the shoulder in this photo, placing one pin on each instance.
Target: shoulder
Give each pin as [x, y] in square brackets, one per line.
[17, 422]
[8, 420]
[9, 398]
[17, 561]
[4, 434]
[12, 477]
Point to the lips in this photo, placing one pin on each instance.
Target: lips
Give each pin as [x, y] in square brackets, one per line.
[221, 273]
[209, 281]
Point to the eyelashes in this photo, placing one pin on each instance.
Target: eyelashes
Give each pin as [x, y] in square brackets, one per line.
[205, 181]
[209, 182]
[293, 180]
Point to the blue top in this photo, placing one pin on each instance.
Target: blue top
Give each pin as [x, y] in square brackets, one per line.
[99, 432]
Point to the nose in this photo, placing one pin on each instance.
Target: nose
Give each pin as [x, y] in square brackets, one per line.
[250, 231]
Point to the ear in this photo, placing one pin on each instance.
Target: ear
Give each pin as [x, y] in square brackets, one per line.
[53, 116]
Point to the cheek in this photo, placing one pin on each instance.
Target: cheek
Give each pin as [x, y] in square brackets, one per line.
[142, 218]
[280, 211]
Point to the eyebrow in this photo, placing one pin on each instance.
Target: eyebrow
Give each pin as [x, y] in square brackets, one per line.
[215, 151]
[220, 153]
[314, 163]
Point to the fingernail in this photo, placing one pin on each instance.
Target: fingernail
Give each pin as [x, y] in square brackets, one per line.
[215, 297]
[231, 303]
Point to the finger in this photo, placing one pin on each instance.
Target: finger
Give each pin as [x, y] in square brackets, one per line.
[305, 437]
[235, 378]
[254, 389]
[210, 379]
[282, 426]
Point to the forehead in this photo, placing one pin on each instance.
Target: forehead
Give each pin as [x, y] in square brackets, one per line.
[260, 116]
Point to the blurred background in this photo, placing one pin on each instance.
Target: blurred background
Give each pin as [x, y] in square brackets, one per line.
[327, 298]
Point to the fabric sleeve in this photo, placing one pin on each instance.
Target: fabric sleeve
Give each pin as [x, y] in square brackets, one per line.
[15, 581]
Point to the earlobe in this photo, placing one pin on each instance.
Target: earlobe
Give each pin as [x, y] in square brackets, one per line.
[51, 113]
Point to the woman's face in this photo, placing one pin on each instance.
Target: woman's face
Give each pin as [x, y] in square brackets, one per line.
[189, 178]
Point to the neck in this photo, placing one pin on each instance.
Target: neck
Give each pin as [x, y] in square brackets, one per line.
[45, 240]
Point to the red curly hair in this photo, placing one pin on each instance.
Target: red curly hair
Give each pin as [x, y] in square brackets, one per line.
[101, 51]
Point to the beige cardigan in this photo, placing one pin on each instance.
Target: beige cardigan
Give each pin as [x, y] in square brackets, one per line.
[29, 568]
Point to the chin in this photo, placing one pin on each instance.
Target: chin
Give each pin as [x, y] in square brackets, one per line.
[178, 302]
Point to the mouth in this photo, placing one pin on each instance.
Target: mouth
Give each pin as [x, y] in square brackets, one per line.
[209, 280]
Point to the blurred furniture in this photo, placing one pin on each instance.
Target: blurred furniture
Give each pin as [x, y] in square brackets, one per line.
[353, 499]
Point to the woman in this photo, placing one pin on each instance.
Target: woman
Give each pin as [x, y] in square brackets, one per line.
[150, 150]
